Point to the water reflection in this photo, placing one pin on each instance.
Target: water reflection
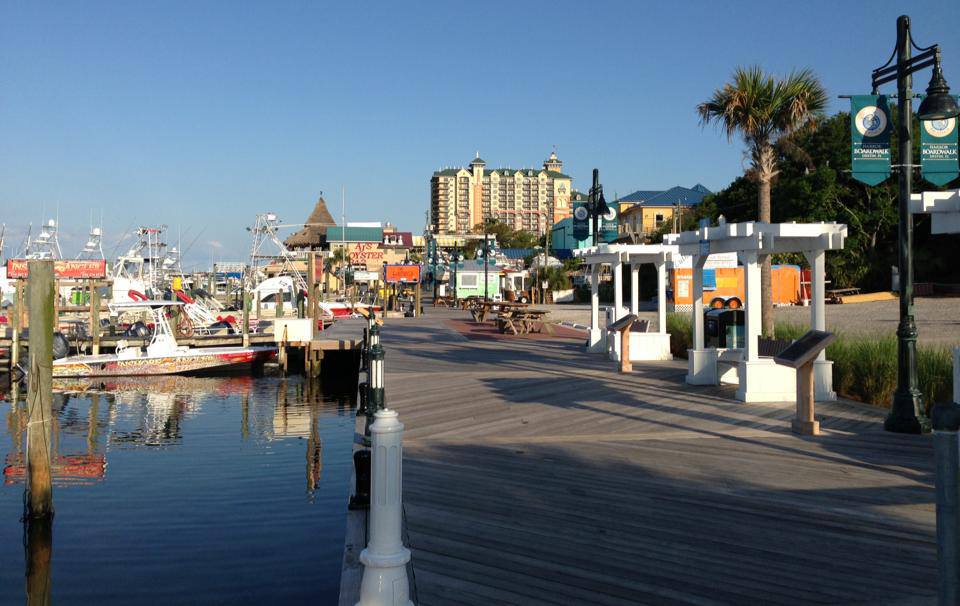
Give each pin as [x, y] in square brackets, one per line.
[154, 412]
[38, 551]
[194, 420]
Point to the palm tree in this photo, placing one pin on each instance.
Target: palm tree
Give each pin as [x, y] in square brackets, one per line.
[335, 262]
[763, 109]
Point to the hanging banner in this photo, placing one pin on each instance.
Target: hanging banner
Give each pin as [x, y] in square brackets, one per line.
[870, 128]
[609, 224]
[938, 150]
[581, 221]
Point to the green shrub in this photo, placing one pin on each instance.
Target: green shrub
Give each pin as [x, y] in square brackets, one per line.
[681, 332]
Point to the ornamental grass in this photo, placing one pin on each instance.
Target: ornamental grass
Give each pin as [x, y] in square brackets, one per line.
[864, 365]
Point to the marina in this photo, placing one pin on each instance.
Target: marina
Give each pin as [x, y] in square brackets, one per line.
[370, 305]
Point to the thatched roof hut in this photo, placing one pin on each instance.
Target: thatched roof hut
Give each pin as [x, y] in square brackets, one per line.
[313, 236]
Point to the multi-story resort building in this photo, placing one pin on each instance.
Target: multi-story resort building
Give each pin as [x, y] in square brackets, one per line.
[528, 199]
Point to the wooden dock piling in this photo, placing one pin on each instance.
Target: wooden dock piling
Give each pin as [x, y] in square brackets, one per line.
[39, 489]
[15, 347]
[95, 317]
[245, 325]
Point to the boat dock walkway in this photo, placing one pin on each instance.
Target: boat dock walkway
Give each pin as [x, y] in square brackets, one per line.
[536, 474]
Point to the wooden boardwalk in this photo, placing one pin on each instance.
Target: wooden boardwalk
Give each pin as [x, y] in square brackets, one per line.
[535, 474]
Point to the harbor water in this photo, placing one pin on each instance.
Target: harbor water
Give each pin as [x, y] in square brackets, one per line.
[186, 490]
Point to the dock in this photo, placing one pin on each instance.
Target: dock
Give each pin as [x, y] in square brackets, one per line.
[536, 474]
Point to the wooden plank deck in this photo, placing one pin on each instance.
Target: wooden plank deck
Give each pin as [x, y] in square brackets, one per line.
[536, 474]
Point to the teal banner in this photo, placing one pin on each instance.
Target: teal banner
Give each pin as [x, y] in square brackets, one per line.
[581, 221]
[870, 128]
[609, 224]
[938, 151]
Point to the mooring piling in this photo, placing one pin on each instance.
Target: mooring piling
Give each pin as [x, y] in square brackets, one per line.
[38, 499]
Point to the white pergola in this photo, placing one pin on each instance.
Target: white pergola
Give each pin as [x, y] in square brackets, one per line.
[760, 379]
[643, 346]
[943, 208]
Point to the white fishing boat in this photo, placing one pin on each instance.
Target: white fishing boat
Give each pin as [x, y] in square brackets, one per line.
[162, 356]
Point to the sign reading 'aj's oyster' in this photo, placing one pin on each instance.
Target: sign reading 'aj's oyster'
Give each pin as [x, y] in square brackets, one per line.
[938, 150]
[870, 128]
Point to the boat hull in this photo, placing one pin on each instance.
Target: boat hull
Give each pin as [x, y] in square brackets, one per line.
[195, 361]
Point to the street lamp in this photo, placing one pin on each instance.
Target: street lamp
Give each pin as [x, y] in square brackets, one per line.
[907, 414]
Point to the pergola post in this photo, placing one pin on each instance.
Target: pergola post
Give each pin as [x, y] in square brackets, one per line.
[634, 288]
[594, 339]
[752, 294]
[822, 367]
[613, 342]
[701, 362]
[697, 311]
[617, 288]
[662, 296]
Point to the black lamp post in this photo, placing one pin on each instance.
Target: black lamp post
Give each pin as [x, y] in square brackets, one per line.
[486, 262]
[907, 413]
[597, 206]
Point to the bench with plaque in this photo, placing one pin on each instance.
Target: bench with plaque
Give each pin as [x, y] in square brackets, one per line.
[801, 356]
[624, 326]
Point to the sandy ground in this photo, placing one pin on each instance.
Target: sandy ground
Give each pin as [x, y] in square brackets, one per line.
[938, 319]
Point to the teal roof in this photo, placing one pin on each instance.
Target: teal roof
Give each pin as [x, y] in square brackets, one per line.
[354, 234]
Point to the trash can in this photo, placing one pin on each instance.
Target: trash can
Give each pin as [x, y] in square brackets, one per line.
[724, 328]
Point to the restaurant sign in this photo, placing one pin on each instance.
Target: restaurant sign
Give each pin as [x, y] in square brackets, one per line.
[63, 269]
[409, 274]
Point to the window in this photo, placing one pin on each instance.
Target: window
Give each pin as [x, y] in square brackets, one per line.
[658, 219]
[468, 281]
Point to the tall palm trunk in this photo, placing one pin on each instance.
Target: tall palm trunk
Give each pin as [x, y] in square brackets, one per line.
[765, 174]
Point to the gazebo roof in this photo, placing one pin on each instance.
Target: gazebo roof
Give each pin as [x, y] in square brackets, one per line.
[314, 232]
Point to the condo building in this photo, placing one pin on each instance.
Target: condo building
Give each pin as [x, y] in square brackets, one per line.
[527, 199]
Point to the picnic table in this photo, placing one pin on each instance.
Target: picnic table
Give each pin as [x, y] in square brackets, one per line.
[482, 308]
[520, 321]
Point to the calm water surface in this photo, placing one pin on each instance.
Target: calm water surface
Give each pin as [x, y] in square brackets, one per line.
[181, 490]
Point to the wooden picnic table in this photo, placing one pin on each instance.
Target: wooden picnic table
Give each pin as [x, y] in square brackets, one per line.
[523, 321]
[482, 308]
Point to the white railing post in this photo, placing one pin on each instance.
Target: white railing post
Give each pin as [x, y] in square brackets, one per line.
[385, 559]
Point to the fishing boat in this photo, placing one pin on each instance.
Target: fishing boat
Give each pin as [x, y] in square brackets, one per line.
[162, 356]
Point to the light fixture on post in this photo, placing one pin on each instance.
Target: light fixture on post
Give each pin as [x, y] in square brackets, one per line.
[375, 398]
[374, 334]
[939, 104]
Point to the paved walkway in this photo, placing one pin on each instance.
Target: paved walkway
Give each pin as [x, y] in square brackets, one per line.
[534, 474]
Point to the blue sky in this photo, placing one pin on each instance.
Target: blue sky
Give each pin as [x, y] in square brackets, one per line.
[201, 114]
